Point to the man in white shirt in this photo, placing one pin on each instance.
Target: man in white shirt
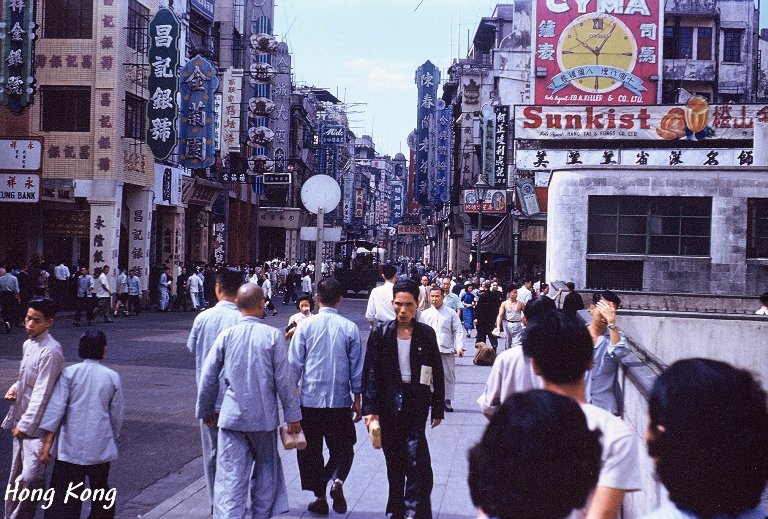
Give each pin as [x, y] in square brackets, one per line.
[450, 299]
[560, 348]
[61, 275]
[450, 338]
[104, 294]
[524, 293]
[424, 293]
[306, 284]
[379, 307]
[194, 286]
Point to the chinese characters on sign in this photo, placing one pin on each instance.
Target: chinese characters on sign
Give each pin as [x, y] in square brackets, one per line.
[427, 80]
[441, 156]
[198, 82]
[20, 154]
[260, 76]
[489, 144]
[502, 131]
[596, 53]
[230, 119]
[163, 83]
[495, 201]
[17, 54]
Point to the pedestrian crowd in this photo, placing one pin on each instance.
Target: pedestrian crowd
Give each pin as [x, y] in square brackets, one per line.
[555, 445]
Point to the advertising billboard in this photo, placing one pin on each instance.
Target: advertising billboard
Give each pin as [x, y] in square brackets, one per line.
[606, 52]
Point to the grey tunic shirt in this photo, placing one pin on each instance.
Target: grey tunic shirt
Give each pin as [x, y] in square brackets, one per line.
[41, 365]
[253, 359]
[603, 388]
[86, 409]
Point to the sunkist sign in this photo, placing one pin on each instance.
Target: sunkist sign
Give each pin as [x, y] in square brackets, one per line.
[596, 52]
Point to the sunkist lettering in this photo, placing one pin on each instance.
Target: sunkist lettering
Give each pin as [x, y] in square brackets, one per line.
[591, 120]
[603, 6]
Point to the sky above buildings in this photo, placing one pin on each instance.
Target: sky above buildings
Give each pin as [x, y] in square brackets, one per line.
[366, 53]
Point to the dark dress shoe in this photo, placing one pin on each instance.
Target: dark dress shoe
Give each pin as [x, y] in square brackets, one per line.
[318, 506]
[448, 408]
[337, 494]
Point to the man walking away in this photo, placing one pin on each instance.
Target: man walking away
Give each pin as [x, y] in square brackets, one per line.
[450, 338]
[379, 307]
[194, 286]
[133, 285]
[252, 360]
[104, 294]
[572, 302]
[207, 326]
[41, 365]
[561, 353]
[486, 312]
[326, 357]
[84, 299]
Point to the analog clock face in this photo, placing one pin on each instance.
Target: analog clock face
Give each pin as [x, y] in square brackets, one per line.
[596, 39]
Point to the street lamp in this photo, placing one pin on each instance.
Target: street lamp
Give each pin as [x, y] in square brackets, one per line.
[481, 189]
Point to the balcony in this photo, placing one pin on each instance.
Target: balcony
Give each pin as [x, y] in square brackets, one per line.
[689, 70]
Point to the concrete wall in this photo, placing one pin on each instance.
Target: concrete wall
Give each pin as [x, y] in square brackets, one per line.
[723, 272]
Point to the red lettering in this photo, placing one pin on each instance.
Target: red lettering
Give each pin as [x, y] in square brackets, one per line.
[627, 121]
[593, 121]
[532, 117]
[643, 118]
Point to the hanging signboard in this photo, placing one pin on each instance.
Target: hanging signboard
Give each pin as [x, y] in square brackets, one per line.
[596, 53]
[398, 202]
[495, 201]
[196, 126]
[501, 113]
[204, 8]
[262, 47]
[542, 160]
[17, 54]
[230, 118]
[19, 187]
[21, 154]
[427, 80]
[163, 83]
[696, 120]
[442, 156]
[526, 193]
[489, 144]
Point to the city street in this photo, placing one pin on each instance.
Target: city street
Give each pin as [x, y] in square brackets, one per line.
[160, 446]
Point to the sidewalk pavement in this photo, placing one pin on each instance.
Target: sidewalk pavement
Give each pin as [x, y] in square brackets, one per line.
[366, 487]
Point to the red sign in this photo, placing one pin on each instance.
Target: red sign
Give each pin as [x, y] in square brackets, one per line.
[601, 52]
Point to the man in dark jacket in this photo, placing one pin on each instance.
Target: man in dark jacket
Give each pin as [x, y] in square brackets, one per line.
[573, 301]
[402, 380]
[486, 311]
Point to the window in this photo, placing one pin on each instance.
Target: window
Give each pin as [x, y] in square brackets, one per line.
[68, 19]
[138, 26]
[732, 45]
[614, 275]
[65, 109]
[135, 117]
[704, 43]
[678, 42]
[757, 228]
[668, 226]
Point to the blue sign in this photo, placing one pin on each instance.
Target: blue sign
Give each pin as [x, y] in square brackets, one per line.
[17, 54]
[196, 127]
[163, 83]
[398, 202]
[204, 8]
[427, 79]
[441, 151]
[633, 83]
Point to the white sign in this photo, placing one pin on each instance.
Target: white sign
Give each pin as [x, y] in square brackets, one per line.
[329, 234]
[19, 187]
[232, 89]
[546, 160]
[18, 154]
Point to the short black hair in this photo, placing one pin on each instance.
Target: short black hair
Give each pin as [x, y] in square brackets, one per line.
[537, 458]
[45, 305]
[608, 296]
[229, 280]
[329, 291]
[435, 287]
[92, 345]
[537, 306]
[709, 436]
[512, 286]
[306, 298]
[560, 345]
[388, 270]
[408, 286]
[571, 286]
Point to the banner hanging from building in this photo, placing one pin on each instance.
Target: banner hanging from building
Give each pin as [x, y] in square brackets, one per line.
[501, 114]
[488, 163]
[332, 137]
[17, 54]
[230, 118]
[196, 126]
[427, 80]
[260, 106]
[281, 97]
[163, 83]
[597, 53]
[398, 199]
[495, 201]
[441, 150]
[696, 121]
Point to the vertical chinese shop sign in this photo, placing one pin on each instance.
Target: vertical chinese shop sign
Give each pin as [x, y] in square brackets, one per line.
[597, 53]
[501, 113]
[427, 79]
[163, 83]
[196, 127]
[17, 52]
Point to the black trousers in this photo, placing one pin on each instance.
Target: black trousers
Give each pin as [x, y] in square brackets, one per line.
[84, 304]
[484, 330]
[66, 476]
[335, 426]
[8, 304]
[409, 465]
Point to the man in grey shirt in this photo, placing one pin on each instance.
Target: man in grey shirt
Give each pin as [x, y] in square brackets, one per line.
[253, 361]
[207, 326]
[326, 357]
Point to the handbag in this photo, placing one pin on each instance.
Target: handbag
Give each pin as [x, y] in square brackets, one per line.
[292, 441]
[484, 356]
